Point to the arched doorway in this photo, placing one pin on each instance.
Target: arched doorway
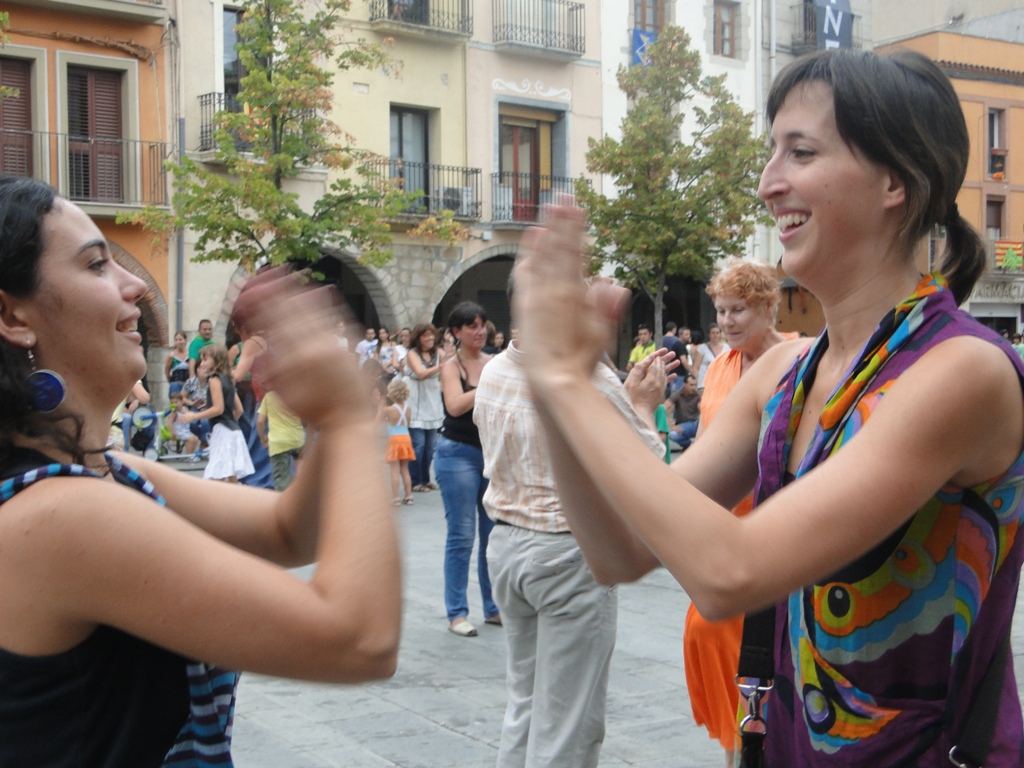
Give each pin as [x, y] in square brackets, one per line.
[362, 291]
[485, 283]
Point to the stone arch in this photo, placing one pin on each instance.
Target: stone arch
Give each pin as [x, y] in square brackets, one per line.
[153, 305]
[371, 280]
[366, 275]
[442, 287]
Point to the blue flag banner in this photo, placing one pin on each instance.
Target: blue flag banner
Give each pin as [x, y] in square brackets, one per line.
[642, 40]
[835, 24]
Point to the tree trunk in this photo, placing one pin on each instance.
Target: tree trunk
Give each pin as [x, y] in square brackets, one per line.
[659, 302]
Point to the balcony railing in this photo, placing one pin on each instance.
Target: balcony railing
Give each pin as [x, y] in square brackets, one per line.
[209, 105]
[807, 22]
[89, 169]
[451, 16]
[441, 187]
[553, 25]
[516, 198]
[212, 103]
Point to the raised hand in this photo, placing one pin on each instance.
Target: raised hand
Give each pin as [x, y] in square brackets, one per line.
[566, 327]
[315, 378]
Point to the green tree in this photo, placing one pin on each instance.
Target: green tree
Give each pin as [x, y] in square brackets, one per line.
[242, 211]
[5, 22]
[681, 204]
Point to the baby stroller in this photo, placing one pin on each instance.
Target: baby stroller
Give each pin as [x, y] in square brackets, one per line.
[143, 436]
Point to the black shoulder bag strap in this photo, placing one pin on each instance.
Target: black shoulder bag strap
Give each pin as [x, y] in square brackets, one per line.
[754, 678]
[976, 739]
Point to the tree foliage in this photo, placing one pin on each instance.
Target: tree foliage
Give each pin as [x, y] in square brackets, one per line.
[686, 171]
[241, 207]
[5, 21]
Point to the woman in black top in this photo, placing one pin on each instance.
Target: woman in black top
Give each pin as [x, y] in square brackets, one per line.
[104, 591]
[459, 465]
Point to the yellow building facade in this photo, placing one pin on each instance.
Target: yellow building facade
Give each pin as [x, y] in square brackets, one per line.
[485, 111]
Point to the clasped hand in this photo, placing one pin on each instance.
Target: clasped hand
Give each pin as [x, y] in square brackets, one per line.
[304, 365]
[567, 327]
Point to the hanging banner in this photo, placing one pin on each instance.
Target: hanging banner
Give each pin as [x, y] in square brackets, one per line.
[835, 24]
[642, 39]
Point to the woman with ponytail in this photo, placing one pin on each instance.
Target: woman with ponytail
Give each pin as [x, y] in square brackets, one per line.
[885, 456]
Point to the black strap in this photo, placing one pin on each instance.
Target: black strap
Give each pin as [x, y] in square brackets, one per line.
[976, 739]
[756, 668]
[757, 652]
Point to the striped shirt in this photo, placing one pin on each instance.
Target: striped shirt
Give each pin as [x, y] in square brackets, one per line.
[522, 483]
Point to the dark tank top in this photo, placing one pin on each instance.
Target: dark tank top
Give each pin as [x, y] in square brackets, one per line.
[461, 429]
[112, 701]
[227, 417]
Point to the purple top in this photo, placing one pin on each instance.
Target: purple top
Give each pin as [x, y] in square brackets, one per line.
[878, 663]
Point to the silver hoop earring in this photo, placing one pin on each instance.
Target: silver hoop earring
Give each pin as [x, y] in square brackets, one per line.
[48, 387]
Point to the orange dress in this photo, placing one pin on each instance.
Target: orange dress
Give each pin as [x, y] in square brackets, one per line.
[711, 649]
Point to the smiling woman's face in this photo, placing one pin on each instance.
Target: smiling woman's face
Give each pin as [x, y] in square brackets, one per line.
[83, 317]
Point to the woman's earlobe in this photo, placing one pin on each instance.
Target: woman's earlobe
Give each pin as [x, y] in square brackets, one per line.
[12, 327]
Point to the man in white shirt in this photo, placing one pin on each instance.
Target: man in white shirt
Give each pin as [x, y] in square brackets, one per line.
[365, 347]
[559, 623]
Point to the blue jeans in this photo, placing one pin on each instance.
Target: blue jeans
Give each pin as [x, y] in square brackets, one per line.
[459, 469]
[423, 441]
[684, 433]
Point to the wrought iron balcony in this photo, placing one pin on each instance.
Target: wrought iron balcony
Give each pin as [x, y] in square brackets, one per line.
[119, 172]
[553, 26]
[445, 17]
[209, 105]
[212, 103]
[516, 198]
[440, 187]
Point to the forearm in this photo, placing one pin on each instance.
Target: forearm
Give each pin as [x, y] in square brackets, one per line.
[357, 552]
[695, 538]
[612, 549]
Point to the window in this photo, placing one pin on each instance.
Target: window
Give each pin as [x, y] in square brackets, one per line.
[726, 16]
[410, 149]
[16, 117]
[94, 134]
[524, 161]
[996, 144]
[648, 15]
[993, 219]
[233, 69]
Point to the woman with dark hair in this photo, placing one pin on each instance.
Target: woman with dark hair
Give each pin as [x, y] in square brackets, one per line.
[885, 538]
[423, 366]
[459, 463]
[116, 571]
[707, 352]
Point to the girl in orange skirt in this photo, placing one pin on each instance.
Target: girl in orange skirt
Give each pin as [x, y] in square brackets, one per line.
[399, 452]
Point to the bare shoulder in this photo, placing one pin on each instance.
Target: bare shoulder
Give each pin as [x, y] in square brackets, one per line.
[969, 389]
[768, 370]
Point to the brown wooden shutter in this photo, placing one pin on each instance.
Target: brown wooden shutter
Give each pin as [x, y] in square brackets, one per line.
[16, 118]
[95, 146]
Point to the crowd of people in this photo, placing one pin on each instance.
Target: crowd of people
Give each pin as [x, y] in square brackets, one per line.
[849, 548]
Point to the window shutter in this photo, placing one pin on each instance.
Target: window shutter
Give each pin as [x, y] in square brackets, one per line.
[16, 118]
[94, 140]
[106, 125]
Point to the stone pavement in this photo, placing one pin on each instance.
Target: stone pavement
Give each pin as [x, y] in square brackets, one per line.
[444, 706]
